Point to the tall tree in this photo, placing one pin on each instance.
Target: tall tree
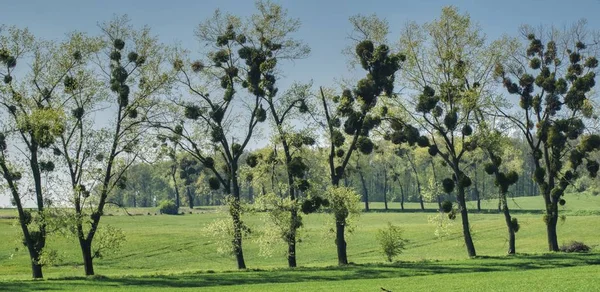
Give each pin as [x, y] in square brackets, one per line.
[276, 26]
[124, 87]
[554, 81]
[30, 126]
[449, 62]
[354, 110]
[245, 53]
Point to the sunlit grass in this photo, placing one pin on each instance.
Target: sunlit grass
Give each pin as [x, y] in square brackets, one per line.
[164, 245]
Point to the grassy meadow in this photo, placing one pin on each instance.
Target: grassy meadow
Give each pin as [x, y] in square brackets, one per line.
[165, 252]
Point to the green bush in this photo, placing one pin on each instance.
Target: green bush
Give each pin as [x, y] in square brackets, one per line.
[391, 241]
[168, 207]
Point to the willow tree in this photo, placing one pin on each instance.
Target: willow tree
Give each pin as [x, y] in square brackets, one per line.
[554, 78]
[353, 112]
[33, 72]
[230, 90]
[450, 64]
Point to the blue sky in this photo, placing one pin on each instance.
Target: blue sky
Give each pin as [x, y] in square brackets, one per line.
[325, 25]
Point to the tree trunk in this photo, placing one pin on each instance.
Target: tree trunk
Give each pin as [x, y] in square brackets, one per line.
[365, 190]
[414, 168]
[36, 270]
[551, 222]
[478, 198]
[250, 194]
[291, 256]
[385, 186]
[237, 222]
[188, 192]
[40, 242]
[340, 226]
[511, 231]
[291, 236]
[340, 242]
[34, 253]
[86, 251]
[401, 197]
[237, 239]
[174, 177]
[439, 198]
[465, 221]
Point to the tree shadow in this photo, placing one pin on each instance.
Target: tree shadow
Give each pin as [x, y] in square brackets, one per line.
[483, 264]
[471, 211]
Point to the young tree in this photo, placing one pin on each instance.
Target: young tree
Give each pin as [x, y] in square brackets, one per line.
[492, 143]
[245, 53]
[30, 126]
[449, 61]
[354, 110]
[291, 144]
[554, 81]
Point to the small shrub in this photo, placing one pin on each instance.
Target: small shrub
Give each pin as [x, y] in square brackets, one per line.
[168, 207]
[575, 246]
[391, 241]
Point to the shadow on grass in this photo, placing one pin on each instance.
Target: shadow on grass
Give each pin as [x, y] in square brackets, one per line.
[472, 211]
[333, 273]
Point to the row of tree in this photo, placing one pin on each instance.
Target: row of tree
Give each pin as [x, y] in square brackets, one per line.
[78, 115]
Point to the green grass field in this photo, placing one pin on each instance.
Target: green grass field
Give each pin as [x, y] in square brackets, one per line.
[172, 252]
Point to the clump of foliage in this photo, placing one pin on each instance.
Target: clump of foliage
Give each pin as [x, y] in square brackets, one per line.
[391, 241]
[168, 207]
[354, 117]
[446, 206]
[343, 202]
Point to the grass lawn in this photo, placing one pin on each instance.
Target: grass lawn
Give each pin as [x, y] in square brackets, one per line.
[173, 252]
[554, 272]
